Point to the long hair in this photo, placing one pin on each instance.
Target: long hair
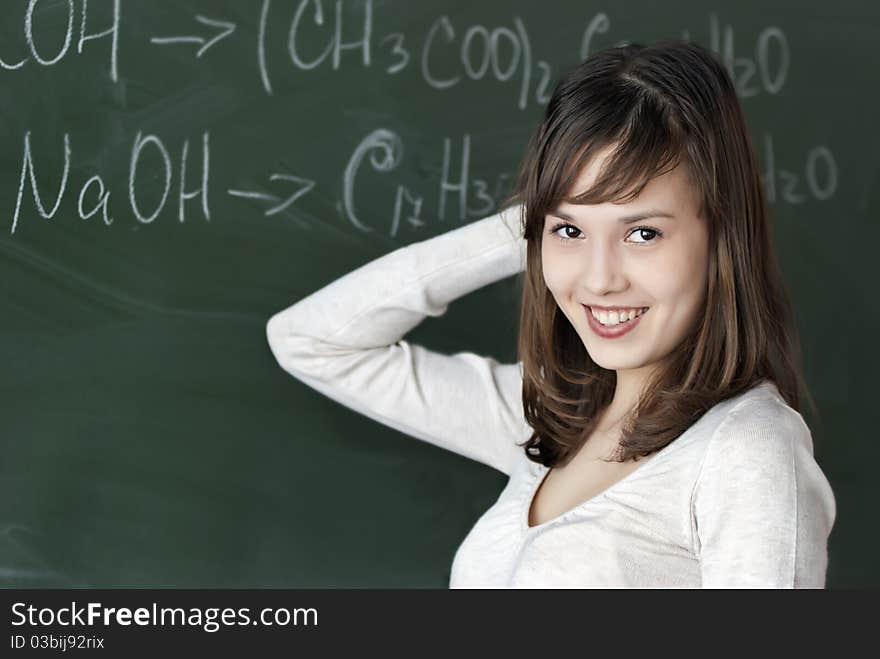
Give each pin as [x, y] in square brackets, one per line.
[659, 105]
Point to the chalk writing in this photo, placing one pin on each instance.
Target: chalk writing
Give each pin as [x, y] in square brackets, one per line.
[321, 38]
[305, 185]
[766, 71]
[386, 152]
[42, 53]
[819, 174]
[226, 29]
[140, 144]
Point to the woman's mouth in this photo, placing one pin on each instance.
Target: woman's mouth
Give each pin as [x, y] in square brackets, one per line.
[613, 331]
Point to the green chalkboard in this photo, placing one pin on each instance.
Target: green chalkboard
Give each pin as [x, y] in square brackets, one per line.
[174, 173]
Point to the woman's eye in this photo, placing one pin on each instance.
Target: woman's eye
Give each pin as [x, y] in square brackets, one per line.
[653, 234]
[565, 235]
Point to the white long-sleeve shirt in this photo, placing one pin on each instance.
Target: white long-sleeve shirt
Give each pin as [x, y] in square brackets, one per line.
[737, 500]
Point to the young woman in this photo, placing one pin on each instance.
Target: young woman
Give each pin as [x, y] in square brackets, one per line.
[650, 427]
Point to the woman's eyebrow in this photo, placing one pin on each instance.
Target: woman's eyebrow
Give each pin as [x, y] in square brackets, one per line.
[626, 219]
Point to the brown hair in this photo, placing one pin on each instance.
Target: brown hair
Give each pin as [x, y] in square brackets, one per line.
[658, 105]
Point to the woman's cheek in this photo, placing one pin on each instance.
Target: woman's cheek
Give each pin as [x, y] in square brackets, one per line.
[555, 288]
[559, 294]
[553, 272]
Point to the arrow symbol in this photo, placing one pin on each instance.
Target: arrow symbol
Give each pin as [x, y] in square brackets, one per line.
[226, 30]
[265, 196]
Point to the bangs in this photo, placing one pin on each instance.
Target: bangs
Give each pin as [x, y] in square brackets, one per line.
[643, 147]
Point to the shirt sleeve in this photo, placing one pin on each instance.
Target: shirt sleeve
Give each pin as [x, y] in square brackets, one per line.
[763, 507]
[345, 341]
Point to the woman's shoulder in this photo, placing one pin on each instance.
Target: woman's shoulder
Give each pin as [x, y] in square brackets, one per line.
[756, 424]
[761, 400]
[761, 413]
[755, 433]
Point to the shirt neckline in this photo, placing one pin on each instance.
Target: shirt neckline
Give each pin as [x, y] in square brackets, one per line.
[540, 476]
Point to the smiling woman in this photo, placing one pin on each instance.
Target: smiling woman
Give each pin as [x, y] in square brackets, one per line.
[593, 257]
[656, 137]
[650, 429]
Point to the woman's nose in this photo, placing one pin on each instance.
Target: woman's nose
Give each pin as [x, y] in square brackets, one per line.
[601, 272]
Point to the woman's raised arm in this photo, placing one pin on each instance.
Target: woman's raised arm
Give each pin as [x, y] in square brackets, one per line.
[346, 341]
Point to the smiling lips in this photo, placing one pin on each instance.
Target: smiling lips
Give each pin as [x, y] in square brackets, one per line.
[613, 315]
[614, 331]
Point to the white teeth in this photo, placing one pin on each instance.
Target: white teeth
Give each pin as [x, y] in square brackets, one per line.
[613, 318]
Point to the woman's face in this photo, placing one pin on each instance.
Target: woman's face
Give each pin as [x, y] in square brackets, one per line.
[655, 262]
